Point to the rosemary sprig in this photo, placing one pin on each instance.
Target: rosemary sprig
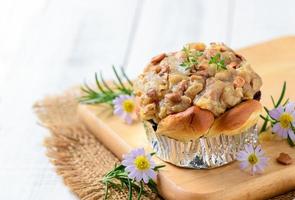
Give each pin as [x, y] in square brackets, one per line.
[191, 58]
[267, 119]
[118, 179]
[104, 93]
[220, 65]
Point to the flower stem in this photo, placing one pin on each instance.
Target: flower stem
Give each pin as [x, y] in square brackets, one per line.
[129, 189]
[106, 192]
[140, 191]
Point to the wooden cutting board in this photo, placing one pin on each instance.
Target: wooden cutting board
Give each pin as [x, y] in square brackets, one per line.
[275, 62]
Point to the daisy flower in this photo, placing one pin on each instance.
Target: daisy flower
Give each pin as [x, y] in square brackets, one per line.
[124, 106]
[285, 120]
[252, 159]
[139, 165]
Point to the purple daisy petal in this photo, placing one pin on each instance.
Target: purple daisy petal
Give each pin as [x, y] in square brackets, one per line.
[138, 178]
[253, 170]
[276, 128]
[259, 151]
[128, 119]
[284, 133]
[139, 152]
[290, 107]
[152, 163]
[242, 155]
[291, 135]
[244, 164]
[152, 174]
[280, 130]
[249, 148]
[127, 162]
[145, 177]
[130, 168]
[119, 100]
[118, 111]
[259, 168]
[276, 112]
[134, 174]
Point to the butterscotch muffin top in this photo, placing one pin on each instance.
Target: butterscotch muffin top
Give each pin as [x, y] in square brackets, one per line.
[213, 78]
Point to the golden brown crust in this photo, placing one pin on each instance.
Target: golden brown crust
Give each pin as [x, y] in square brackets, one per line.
[237, 119]
[187, 125]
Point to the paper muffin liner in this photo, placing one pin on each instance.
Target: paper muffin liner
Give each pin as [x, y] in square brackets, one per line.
[202, 153]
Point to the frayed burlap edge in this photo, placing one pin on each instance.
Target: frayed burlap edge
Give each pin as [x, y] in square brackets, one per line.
[76, 154]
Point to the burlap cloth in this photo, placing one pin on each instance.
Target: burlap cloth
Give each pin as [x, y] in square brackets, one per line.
[76, 154]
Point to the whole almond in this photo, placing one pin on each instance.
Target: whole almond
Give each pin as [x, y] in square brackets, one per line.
[284, 159]
[174, 97]
[155, 60]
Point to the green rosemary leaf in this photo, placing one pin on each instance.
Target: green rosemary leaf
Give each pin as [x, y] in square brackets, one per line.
[264, 126]
[98, 84]
[266, 109]
[88, 88]
[85, 90]
[264, 118]
[159, 167]
[287, 101]
[104, 83]
[282, 95]
[153, 153]
[118, 77]
[153, 186]
[104, 93]
[126, 77]
[273, 101]
[291, 143]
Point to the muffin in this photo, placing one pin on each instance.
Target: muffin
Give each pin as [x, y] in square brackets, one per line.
[199, 105]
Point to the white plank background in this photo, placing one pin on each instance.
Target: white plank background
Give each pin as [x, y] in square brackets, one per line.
[49, 45]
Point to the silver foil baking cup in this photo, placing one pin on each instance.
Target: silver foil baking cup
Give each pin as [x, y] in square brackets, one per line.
[202, 153]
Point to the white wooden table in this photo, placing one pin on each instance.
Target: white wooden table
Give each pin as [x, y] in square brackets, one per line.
[49, 45]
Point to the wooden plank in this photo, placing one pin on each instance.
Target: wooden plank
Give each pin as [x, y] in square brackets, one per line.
[227, 182]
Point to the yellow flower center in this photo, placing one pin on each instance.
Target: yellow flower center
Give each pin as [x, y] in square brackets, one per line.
[142, 163]
[285, 120]
[128, 106]
[253, 159]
